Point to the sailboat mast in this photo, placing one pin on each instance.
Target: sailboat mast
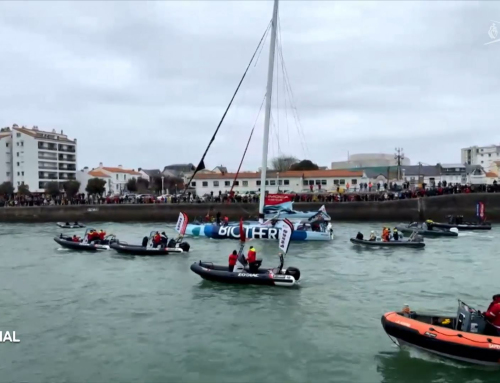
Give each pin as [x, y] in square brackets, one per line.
[267, 118]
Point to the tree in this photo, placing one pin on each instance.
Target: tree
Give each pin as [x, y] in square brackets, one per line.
[304, 165]
[23, 190]
[96, 186]
[132, 185]
[142, 185]
[6, 189]
[71, 188]
[283, 163]
[52, 188]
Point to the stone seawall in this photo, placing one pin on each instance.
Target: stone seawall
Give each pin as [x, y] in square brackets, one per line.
[435, 208]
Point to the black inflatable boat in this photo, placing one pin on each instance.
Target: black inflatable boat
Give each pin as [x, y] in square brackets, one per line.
[430, 233]
[365, 242]
[68, 225]
[269, 277]
[125, 248]
[458, 222]
[252, 274]
[68, 243]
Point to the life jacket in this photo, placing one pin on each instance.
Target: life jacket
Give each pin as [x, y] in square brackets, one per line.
[232, 259]
[102, 235]
[156, 238]
[251, 256]
[75, 239]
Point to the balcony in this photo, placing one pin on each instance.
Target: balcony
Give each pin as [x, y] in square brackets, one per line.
[67, 158]
[47, 176]
[67, 148]
[47, 146]
[47, 156]
[67, 167]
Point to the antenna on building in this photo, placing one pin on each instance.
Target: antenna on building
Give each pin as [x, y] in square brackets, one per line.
[399, 156]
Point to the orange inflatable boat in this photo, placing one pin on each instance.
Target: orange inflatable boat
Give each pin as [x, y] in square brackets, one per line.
[464, 337]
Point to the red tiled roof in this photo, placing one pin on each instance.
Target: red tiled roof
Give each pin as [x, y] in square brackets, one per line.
[120, 170]
[491, 175]
[34, 133]
[98, 173]
[287, 174]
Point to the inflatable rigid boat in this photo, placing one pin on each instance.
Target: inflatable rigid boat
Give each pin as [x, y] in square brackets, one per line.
[378, 243]
[425, 231]
[68, 225]
[461, 338]
[458, 221]
[68, 243]
[243, 273]
[148, 249]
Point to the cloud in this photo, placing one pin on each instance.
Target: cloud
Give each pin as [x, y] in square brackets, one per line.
[145, 84]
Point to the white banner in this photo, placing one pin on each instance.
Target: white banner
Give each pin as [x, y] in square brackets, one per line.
[286, 232]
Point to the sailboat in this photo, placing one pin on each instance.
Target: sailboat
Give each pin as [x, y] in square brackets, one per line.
[315, 228]
[243, 273]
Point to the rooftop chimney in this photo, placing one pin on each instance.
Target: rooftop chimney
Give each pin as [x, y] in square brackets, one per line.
[53, 130]
[121, 167]
[100, 164]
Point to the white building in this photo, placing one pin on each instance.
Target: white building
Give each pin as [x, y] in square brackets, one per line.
[291, 181]
[369, 160]
[116, 178]
[33, 157]
[481, 155]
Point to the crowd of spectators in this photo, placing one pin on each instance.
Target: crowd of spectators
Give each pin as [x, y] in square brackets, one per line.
[365, 193]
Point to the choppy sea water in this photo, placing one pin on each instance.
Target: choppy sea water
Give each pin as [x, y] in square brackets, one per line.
[109, 318]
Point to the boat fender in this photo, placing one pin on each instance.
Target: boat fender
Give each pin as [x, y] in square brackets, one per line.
[294, 272]
[454, 230]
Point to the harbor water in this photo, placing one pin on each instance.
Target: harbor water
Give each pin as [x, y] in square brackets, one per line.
[103, 317]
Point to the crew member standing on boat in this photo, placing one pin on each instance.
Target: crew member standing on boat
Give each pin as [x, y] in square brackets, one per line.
[232, 260]
[395, 234]
[156, 240]
[373, 237]
[492, 316]
[251, 258]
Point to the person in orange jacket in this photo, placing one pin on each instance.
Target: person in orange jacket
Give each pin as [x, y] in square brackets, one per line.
[232, 260]
[251, 258]
[102, 235]
[385, 234]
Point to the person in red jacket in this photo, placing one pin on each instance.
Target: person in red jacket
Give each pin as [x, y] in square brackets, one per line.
[251, 258]
[156, 240]
[232, 260]
[492, 315]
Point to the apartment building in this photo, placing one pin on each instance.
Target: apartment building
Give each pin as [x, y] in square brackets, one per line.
[481, 155]
[29, 156]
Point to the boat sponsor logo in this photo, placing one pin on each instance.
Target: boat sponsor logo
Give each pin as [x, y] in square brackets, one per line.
[430, 334]
[250, 232]
[8, 337]
[403, 323]
[495, 346]
[247, 275]
[282, 276]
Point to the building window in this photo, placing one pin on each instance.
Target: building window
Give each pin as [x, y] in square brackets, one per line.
[18, 183]
[22, 143]
[124, 177]
[204, 184]
[280, 182]
[286, 182]
[257, 183]
[336, 182]
[273, 182]
[342, 182]
[193, 183]
[17, 154]
[267, 183]
[216, 183]
[22, 173]
[17, 143]
[323, 182]
[227, 183]
[354, 181]
[17, 173]
[311, 182]
[305, 183]
[17, 163]
[245, 183]
[117, 177]
[18, 135]
[489, 155]
[236, 183]
[317, 182]
[7, 144]
[482, 161]
[8, 174]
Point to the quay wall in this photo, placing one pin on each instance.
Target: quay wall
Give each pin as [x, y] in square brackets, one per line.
[435, 208]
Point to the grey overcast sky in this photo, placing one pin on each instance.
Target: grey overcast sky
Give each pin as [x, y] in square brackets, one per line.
[144, 84]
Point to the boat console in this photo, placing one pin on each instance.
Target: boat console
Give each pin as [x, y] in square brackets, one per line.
[469, 319]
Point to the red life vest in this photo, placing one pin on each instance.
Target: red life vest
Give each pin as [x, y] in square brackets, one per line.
[251, 256]
[232, 259]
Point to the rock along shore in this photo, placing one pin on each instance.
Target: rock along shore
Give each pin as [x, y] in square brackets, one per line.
[435, 208]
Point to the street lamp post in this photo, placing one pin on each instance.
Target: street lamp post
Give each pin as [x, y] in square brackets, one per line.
[162, 185]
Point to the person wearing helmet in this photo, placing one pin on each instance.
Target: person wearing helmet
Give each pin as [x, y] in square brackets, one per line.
[492, 316]
[373, 237]
[395, 234]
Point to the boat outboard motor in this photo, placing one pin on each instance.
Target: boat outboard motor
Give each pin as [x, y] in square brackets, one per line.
[184, 246]
[294, 272]
[171, 243]
[144, 241]
[359, 235]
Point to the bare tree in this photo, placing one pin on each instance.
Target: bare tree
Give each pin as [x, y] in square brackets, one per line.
[283, 163]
